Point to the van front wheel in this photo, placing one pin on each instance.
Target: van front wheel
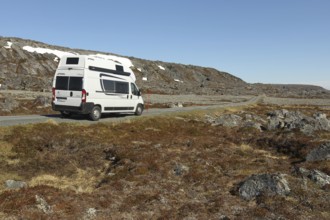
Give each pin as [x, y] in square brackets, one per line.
[95, 114]
[139, 109]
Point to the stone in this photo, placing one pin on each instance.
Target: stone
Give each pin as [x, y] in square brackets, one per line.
[13, 184]
[320, 153]
[263, 184]
[43, 205]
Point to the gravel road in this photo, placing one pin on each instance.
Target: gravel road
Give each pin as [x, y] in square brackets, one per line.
[207, 102]
[28, 119]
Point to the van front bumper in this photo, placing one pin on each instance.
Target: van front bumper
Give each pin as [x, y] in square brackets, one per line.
[84, 108]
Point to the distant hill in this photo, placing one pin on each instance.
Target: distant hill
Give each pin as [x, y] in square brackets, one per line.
[30, 65]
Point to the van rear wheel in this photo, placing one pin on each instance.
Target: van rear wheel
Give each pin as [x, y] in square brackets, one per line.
[139, 109]
[95, 114]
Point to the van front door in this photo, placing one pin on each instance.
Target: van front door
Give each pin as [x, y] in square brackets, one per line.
[134, 95]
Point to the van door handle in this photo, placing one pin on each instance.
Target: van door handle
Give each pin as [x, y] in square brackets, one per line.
[131, 96]
[71, 94]
[127, 96]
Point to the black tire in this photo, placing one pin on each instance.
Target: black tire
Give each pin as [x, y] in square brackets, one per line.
[66, 114]
[139, 110]
[95, 114]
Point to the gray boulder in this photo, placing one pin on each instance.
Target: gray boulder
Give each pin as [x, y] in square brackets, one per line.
[263, 184]
[13, 184]
[320, 153]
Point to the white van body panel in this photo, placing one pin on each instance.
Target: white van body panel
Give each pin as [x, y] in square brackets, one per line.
[83, 81]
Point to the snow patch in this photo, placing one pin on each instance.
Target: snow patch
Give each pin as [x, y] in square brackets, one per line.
[177, 80]
[139, 69]
[122, 60]
[161, 67]
[40, 50]
[56, 59]
[144, 78]
[8, 45]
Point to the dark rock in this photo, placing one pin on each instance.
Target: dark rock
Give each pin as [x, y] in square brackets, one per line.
[320, 153]
[13, 184]
[180, 169]
[263, 184]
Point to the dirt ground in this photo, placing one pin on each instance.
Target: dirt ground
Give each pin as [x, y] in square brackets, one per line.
[176, 166]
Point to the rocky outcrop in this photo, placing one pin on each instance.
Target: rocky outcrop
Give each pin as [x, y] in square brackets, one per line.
[232, 120]
[284, 119]
[263, 184]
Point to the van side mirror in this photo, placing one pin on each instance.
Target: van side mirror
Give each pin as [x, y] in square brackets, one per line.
[139, 93]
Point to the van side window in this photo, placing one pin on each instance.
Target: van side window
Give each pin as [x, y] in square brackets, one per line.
[62, 83]
[122, 87]
[109, 86]
[135, 91]
[115, 86]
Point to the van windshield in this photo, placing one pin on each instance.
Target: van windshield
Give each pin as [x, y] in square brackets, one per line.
[68, 83]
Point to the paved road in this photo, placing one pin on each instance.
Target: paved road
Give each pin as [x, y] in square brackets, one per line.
[28, 119]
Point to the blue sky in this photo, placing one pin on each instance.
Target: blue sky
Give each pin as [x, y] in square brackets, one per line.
[268, 41]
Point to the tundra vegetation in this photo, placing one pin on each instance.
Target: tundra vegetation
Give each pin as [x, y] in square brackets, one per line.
[188, 165]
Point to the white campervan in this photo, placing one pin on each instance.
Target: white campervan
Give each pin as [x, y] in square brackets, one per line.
[93, 85]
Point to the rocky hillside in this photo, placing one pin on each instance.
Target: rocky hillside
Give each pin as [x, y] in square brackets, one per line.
[22, 68]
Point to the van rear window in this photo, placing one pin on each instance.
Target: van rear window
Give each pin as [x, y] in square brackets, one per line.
[72, 60]
[75, 83]
[68, 83]
[62, 83]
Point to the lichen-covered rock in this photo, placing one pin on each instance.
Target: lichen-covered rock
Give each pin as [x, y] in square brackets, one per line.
[263, 184]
